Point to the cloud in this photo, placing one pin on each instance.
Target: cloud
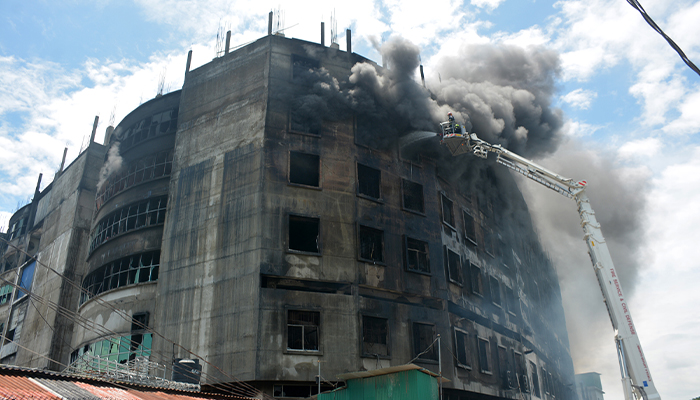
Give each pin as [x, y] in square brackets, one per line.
[580, 98]
[487, 4]
[640, 149]
[594, 36]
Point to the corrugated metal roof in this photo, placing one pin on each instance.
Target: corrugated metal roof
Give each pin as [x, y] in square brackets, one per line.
[24, 383]
[66, 389]
[20, 387]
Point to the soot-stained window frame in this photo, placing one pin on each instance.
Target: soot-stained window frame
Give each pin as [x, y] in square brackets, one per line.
[469, 234]
[308, 219]
[477, 279]
[404, 195]
[372, 230]
[363, 169]
[511, 303]
[496, 296]
[289, 324]
[489, 242]
[412, 247]
[535, 379]
[462, 350]
[430, 357]
[483, 348]
[290, 167]
[446, 204]
[451, 257]
[373, 331]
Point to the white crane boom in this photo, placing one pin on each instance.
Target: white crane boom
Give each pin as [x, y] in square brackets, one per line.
[636, 378]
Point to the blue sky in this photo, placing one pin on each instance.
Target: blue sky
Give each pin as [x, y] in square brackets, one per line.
[630, 107]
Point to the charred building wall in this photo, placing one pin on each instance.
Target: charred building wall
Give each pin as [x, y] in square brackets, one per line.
[256, 221]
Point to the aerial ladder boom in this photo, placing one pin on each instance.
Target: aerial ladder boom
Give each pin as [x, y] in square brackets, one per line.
[636, 378]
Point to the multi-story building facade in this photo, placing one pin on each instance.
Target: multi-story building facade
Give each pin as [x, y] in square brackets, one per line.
[232, 223]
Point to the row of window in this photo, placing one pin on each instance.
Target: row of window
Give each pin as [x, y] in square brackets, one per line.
[125, 271]
[134, 216]
[304, 236]
[303, 330]
[145, 169]
[304, 169]
[155, 125]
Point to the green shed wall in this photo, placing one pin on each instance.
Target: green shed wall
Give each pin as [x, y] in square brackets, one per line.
[405, 385]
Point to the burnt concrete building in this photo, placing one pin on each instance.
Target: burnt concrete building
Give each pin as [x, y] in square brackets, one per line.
[259, 234]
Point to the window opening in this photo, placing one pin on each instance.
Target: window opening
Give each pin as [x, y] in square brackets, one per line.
[304, 234]
[298, 391]
[139, 324]
[489, 242]
[304, 169]
[302, 330]
[453, 266]
[535, 379]
[423, 338]
[484, 358]
[122, 272]
[521, 373]
[448, 216]
[477, 280]
[505, 368]
[5, 295]
[371, 244]
[138, 215]
[368, 181]
[495, 291]
[511, 303]
[25, 283]
[375, 334]
[413, 196]
[469, 227]
[462, 346]
[417, 258]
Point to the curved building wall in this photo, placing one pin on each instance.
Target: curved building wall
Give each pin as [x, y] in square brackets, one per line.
[127, 227]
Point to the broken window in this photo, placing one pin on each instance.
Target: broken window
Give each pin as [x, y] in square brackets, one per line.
[469, 227]
[453, 265]
[477, 280]
[417, 259]
[535, 380]
[25, 282]
[302, 330]
[304, 234]
[489, 242]
[138, 215]
[304, 169]
[448, 216]
[368, 181]
[521, 372]
[139, 323]
[423, 341]
[371, 244]
[505, 368]
[5, 295]
[495, 291]
[484, 356]
[462, 347]
[375, 335]
[413, 196]
[125, 271]
[511, 303]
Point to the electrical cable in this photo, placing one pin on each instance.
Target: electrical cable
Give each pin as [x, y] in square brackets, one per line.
[647, 18]
[101, 330]
[129, 318]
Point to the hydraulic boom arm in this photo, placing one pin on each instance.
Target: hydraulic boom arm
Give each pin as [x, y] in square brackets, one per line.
[636, 378]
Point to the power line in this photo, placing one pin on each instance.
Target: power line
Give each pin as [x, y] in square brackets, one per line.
[127, 317]
[647, 18]
[102, 330]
